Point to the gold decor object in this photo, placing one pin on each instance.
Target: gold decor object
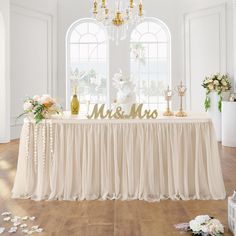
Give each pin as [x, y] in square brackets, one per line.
[168, 96]
[136, 112]
[118, 16]
[181, 89]
[74, 105]
[118, 20]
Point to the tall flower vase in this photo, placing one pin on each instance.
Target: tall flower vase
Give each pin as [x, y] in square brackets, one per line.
[215, 114]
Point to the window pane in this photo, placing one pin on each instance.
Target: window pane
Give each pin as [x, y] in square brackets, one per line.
[150, 62]
[87, 63]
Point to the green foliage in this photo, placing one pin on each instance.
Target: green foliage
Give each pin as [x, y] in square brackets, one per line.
[207, 103]
[220, 103]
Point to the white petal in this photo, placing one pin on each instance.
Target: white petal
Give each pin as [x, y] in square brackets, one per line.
[23, 225]
[6, 213]
[30, 232]
[2, 229]
[25, 218]
[35, 227]
[39, 230]
[25, 231]
[12, 230]
[7, 218]
[17, 223]
[32, 218]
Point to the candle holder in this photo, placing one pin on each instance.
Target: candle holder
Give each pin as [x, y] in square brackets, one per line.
[181, 89]
[168, 96]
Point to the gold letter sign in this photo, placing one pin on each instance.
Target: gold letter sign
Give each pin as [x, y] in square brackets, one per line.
[136, 111]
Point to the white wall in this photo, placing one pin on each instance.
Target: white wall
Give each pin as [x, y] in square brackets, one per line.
[33, 53]
[4, 72]
[208, 38]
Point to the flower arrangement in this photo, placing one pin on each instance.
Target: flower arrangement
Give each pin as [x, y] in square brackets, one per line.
[40, 108]
[138, 52]
[215, 83]
[203, 225]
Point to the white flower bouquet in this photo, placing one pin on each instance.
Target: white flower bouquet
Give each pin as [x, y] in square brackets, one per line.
[215, 83]
[203, 225]
[138, 53]
[40, 108]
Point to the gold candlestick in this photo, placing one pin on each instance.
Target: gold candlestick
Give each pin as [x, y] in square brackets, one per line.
[168, 96]
[181, 92]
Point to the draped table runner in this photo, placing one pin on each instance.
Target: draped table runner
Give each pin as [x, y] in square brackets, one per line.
[73, 159]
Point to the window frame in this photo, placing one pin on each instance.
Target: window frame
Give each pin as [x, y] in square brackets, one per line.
[68, 43]
[165, 28]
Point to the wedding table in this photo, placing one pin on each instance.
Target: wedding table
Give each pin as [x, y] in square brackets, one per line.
[77, 159]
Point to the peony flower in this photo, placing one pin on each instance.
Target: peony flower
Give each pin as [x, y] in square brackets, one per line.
[46, 100]
[27, 106]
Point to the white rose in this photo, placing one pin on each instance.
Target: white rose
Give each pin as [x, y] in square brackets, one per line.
[195, 226]
[224, 82]
[27, 106]
[202, 218]
[216, 82]
[210, 87]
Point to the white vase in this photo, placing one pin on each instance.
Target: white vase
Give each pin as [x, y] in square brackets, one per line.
[215, 114]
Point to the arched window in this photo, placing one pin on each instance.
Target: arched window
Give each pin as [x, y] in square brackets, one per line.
[87, 65]
[151, 61]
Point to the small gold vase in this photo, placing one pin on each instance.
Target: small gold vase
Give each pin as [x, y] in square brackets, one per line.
[74, 105]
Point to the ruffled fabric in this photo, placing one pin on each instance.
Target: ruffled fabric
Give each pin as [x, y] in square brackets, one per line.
[87, 160]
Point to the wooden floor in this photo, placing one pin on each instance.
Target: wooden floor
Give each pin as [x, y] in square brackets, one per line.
[107, 218]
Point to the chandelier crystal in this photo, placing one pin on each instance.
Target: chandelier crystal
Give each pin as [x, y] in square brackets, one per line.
[118, 17]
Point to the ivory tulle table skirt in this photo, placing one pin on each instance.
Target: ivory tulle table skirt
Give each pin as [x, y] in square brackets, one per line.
[70, 159]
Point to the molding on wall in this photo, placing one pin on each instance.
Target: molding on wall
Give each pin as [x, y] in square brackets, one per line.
[220, 11]
[51, 71]
[234, 40]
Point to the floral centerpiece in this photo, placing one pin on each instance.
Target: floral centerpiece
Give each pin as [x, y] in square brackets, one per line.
[215, 83]
[203, 225]
[40, 108]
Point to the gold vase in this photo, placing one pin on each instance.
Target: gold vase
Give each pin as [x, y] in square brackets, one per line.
[74, 105]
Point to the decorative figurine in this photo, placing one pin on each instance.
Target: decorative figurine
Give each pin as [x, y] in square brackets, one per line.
[181, 92]
[168, 96]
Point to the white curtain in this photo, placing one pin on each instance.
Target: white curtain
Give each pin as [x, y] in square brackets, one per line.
[4, 85]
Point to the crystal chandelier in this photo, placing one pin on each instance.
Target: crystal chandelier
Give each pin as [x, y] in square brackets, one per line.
[118, 18]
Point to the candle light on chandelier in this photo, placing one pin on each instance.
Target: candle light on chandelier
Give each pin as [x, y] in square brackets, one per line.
[117, 20]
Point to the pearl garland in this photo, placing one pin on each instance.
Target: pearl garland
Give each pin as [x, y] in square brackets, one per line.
[44, 145]
[51, 138]
[27, 138]
[35, 146]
